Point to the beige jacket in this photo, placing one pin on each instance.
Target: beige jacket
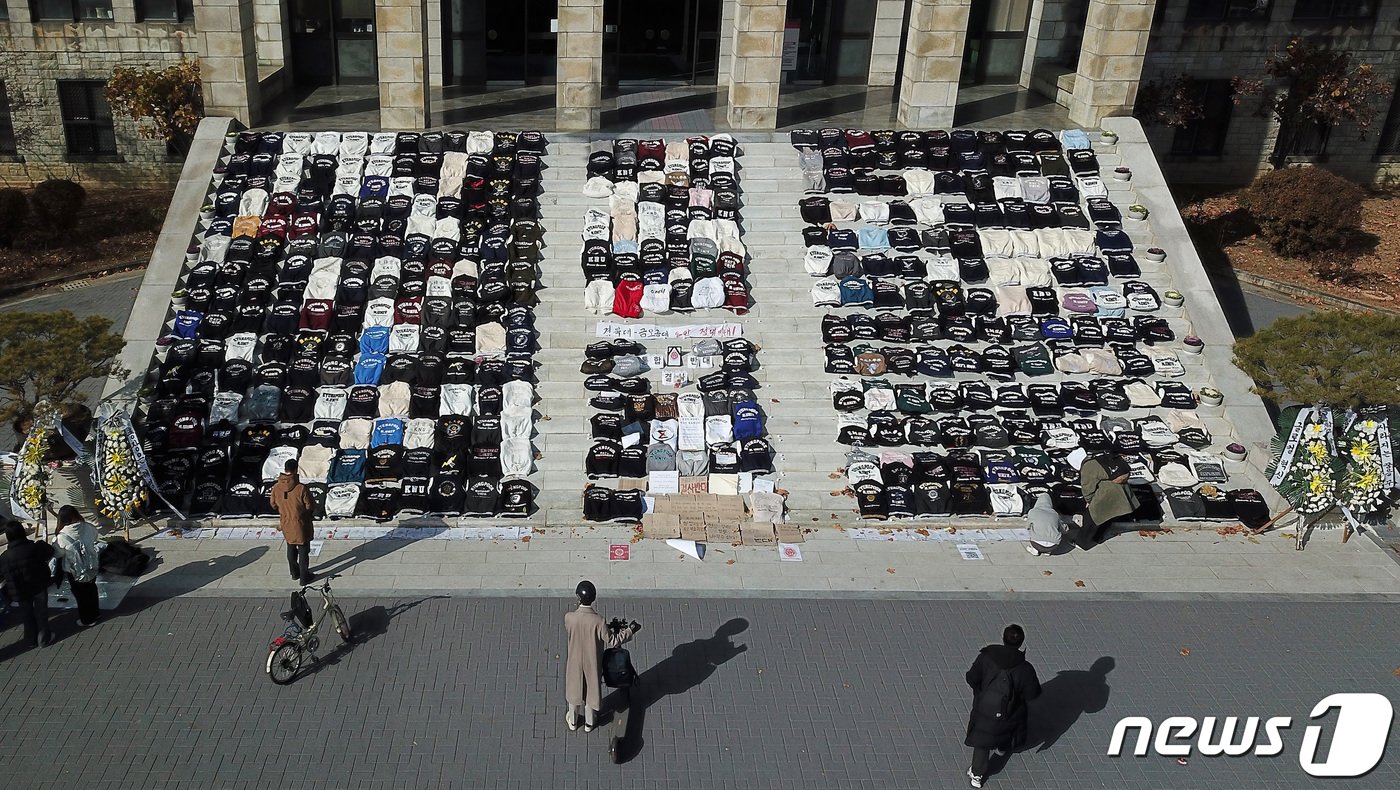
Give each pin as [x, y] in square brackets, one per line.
[583, 670]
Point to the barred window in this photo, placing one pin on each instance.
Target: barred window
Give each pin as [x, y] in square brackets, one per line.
[1390, 134]
[87, 120]
[164, 10]
[1206, 136]
[7, 127]
[72, 10]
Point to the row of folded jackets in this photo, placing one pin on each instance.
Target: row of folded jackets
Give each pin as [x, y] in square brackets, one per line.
[920, 423]
[1004, 305]
[677, 161]
[717, 429]
[837, 154]
[1072, 269]
[331, 156]
[966, 243]
[392, 462]
[977, 187]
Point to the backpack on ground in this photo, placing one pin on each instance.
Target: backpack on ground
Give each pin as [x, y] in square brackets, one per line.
[994, 701]
[124, 558]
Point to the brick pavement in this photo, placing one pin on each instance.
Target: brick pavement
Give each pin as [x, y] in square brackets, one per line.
[812, 694]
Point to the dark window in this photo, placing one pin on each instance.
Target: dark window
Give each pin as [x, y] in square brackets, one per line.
[1329, 10]
[1310, 139]
[4, 11]
[1206, 137]
[87, 120]
[72, 10]
[1227, 10]
[164, 10]
[1390, 135]
[7, 127]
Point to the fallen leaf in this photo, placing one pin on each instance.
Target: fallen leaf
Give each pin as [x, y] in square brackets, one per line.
[886, 531]
[814, 518]
[545, 417]
[952, 530]
[1185, 651]
[1047, 573]
[730, 562]
[524, 538]
[1078, 583]
[775, 400]
[845, 685]
[1396, 673]
[834, 476]
[921, 531]
[889, 570]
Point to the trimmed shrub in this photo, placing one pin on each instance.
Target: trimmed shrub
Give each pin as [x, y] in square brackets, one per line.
[56, 203]
[1304, 211]
[14, 210]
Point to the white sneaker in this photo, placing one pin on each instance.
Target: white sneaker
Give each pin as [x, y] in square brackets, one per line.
[974, 778]
[570, 721]
[1033, 550]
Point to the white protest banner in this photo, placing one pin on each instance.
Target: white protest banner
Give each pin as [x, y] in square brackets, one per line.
[609, 329]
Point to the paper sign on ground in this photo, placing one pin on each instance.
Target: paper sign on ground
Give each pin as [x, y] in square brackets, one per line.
[653, 332]
[663, 483]
[970, 551]
[789, 552]
[316, 546]
[619, 552]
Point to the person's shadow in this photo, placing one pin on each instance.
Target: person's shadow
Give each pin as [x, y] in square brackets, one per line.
[1063, 699]
[689, 665]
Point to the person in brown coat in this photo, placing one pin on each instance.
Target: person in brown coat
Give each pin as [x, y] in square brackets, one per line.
[588, 636]
[293, 503]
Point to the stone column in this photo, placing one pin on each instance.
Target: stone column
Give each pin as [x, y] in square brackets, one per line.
[726, 41]
[1110, 59]
[757, 66]
[578, 90]
[228, 59]
[1044, 32]
[884, 46]
[402, 51]
[933, 55]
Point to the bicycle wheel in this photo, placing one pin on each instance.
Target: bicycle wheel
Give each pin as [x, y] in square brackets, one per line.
[284, 663]
[342, 626]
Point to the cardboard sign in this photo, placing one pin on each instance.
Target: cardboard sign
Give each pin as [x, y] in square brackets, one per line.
[790, 533]
[723, 532]
[759, 533]
[660, 526]
[619, 552]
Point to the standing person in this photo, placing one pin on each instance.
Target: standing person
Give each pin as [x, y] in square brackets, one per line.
[1002, 683]
[1046, 526]
[76, 547]
[294, 506]
[1104, 481]
[25, 568]
[588, 636]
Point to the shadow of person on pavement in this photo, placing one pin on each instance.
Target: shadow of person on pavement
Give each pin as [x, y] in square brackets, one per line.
[689, 665]
[1063, 699]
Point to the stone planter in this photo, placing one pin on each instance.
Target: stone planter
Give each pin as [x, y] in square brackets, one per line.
[1156, 254]
[1173, 298]
[1192, 344]
[1210, 396]
[1108, 138]
[1235, 452]
[1122, 174]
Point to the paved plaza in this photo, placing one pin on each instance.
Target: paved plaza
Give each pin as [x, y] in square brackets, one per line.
[738, 692]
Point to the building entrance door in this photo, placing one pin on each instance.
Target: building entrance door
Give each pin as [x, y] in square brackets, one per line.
[661, 41]
[499, 43]
[833, 41]
[333, 42]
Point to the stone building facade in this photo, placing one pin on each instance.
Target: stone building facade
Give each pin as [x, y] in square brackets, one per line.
[1091, 56]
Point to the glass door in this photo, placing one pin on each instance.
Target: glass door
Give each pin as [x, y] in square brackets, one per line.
[333, 42]
[833, 41]
[668, 43]
[501, 43]
[996, 42]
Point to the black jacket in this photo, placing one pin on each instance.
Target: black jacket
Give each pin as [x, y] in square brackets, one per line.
[25, 569]
[985, 732]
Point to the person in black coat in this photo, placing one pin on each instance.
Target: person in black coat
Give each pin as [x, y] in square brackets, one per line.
[998, 722]
[25, 568]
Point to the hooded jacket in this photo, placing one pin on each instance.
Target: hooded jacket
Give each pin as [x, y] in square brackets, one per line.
[1009, 731]
[294, 507]
[24, 568]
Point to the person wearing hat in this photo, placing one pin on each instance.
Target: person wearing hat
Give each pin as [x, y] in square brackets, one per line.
[588, 636]
[1046, 526]
[1104, 481]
